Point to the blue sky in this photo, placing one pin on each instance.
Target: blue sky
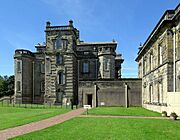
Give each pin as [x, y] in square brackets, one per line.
[129, 22]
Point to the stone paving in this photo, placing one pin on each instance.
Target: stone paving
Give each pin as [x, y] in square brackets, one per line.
[108, 116]
[34, 126]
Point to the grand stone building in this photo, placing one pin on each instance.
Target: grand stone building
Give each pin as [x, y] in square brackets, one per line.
[159, 62]
[67, 70]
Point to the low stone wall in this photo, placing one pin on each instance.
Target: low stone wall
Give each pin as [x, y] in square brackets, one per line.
[111, 92]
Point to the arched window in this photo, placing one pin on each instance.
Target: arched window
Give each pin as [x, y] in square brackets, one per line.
[61, 78]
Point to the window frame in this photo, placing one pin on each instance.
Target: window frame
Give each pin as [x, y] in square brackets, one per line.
[61, 78]
[84, 69]
[59, 59]
[19, 68]
[18, 86]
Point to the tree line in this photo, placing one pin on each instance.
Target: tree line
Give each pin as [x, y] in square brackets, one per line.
[6, 86]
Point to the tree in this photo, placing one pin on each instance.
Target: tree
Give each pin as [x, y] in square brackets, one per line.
[10, 87]
[7, 86]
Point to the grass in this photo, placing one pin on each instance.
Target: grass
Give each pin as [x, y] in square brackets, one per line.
[12, 116]
[108, 129]
[122, 111]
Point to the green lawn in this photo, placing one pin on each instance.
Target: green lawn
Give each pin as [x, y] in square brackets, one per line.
[12, 116]
[122, 111]
[109, 129]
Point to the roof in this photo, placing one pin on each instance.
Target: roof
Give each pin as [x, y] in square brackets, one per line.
[167, 17]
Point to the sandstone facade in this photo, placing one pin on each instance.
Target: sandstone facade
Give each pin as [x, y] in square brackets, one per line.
[63, 68]
[159, 60]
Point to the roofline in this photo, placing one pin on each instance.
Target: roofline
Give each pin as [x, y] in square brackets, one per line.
[96, 43]
[161, 22]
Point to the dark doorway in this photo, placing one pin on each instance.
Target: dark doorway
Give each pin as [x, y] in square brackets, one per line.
[89, 99]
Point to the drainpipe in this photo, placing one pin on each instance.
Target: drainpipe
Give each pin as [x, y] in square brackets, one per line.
[174, 60]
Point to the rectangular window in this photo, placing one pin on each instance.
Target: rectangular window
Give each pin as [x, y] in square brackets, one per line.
[160, 55]
[48, 65]
[64, 43]
[18, 86]
[57, 43]
[151, 62]
[106, 64]
[86, 67]
[61, 78]
[42, 67]
[59, 59]
[18, 66]
[150, 93]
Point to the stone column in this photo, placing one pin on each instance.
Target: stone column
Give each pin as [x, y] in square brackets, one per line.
[126, 95]
[95, 95]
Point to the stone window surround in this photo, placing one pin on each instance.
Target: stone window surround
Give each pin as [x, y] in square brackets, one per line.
[62, 44]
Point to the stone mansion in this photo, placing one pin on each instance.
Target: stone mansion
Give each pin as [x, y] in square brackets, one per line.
[67, 70]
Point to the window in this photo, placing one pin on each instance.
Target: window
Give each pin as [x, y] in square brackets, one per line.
[59, 59]
[160, 93]
[150, 93]
[106, 64]
[86, 67]
[144, 66]
[140, 70]
[160, 55]
[18, 86]
[61, 78]
[64, 43]
[151, 61]
[18, 66]
[57, 43]
[42, 67]
[42, 86]
[48, 65]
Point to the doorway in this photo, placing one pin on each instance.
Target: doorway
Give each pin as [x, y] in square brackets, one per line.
[89, 99]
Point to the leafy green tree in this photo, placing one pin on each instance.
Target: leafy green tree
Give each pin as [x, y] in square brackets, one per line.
[7, 86]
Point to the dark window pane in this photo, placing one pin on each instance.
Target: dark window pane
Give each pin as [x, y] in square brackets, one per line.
[85, 67]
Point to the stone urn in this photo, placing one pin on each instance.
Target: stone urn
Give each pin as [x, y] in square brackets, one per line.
[164, 114]
[173, 116]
